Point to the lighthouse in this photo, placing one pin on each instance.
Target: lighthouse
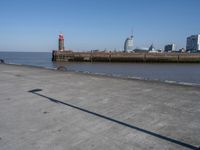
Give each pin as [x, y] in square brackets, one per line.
[61, 42]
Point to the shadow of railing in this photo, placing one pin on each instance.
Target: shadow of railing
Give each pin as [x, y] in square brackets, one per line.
[186, 145]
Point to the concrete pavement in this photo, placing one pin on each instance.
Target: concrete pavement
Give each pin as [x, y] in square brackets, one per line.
[51, 110]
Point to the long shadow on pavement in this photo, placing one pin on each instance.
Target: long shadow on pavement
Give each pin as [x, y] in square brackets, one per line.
[189, 146]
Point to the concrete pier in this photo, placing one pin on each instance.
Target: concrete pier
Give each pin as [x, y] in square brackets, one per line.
[65, 56]
[43, 109]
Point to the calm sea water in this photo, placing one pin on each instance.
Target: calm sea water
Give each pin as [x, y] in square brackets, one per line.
[179, 73]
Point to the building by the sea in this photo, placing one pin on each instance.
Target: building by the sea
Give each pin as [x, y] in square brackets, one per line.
[169, 48]
[128, 44]
[193, 43]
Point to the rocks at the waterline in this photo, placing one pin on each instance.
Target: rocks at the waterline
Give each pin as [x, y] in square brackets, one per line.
[2, 61]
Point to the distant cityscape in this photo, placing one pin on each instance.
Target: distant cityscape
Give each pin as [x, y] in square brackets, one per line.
[169, 54]
[192, 46]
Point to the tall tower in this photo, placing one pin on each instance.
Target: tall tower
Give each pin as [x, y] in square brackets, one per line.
[61, 42]
[128, 44]
[193, 43]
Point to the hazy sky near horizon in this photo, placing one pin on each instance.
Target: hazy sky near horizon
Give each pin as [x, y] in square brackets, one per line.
[34, 25]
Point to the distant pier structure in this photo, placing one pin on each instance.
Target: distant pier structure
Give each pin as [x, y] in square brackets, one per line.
[61, 46]
[63, 55]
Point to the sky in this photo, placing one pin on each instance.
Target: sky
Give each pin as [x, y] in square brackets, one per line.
[34, 25]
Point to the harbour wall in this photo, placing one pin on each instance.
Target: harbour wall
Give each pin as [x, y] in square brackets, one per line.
[69, 56]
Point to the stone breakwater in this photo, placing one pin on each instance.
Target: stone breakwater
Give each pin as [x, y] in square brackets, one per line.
[41, 109]
[64, 56]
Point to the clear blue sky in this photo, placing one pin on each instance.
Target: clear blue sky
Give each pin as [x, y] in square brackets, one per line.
[33, 25]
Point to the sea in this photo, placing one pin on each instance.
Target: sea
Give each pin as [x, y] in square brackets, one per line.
[183, 73]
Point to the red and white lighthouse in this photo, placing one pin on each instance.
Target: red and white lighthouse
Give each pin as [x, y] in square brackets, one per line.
[61, 42]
